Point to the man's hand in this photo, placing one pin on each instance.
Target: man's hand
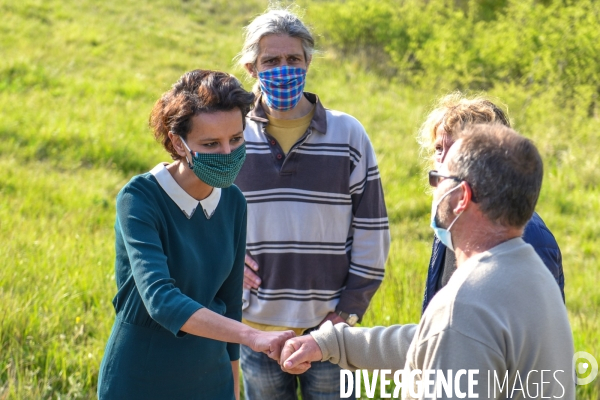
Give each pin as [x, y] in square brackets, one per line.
[298, 353]
[271, 342]
[251, 280]
[333, 317]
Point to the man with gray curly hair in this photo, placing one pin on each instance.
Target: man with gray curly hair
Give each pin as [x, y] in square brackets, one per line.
[318, 234]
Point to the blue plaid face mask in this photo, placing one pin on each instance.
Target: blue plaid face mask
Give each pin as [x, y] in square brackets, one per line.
[282, 86]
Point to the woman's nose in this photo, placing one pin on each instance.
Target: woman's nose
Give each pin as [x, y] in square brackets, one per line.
[226, 148]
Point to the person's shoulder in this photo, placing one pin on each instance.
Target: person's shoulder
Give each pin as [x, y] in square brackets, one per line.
[341, 118]
[509, 273]
[252, 127]
[345, 128]
[233, 201]
[234, 194]
[140, 184]
[233, 191]
[537, 234]
[145, 181]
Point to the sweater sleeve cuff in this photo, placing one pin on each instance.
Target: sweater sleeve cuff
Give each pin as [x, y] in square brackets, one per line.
[182, 315]
[327, 341]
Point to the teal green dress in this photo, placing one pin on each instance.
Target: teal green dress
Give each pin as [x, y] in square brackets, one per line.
[168, 266]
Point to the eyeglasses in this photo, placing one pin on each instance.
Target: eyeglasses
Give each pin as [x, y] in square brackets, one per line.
[435, 178]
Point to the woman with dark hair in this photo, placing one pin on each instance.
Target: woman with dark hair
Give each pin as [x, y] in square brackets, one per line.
[180, 245]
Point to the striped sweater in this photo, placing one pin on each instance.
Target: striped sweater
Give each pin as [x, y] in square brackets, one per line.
[317, 222]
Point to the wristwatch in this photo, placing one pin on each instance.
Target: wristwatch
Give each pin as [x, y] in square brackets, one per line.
[351, 319]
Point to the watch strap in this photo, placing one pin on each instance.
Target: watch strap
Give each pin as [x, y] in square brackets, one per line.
[350, 319]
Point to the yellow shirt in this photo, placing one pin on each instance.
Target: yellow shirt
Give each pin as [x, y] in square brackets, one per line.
[264, 327]
[288, 131]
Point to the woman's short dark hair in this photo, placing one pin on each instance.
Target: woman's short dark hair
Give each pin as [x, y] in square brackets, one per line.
[196, 92]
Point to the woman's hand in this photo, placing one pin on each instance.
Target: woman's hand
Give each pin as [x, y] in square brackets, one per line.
[271, 342]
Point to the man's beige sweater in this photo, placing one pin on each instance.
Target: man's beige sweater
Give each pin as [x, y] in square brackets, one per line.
[501, 313]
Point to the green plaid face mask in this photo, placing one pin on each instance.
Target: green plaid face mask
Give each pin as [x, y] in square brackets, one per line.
[217, 170]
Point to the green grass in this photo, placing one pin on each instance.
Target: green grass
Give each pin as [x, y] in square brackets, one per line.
[77, 82]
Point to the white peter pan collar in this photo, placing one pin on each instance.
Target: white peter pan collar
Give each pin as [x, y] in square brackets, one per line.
[186, 203]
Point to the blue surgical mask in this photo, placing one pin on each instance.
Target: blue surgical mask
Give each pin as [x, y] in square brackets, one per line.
[443, 233]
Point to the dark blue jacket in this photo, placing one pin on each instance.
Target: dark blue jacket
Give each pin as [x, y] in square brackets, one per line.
[536, 234]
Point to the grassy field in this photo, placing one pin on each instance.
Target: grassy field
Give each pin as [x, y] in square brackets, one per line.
[77, 82]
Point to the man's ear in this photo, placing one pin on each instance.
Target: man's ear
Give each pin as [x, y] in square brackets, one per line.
[177, 144]
[465, 198]
[251, 70]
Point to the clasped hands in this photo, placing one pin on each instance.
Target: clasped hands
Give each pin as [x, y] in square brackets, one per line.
[294, 354]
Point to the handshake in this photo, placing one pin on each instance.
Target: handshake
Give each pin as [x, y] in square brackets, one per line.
[294, 354]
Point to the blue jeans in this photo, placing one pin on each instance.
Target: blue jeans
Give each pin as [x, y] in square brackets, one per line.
[264, 379]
